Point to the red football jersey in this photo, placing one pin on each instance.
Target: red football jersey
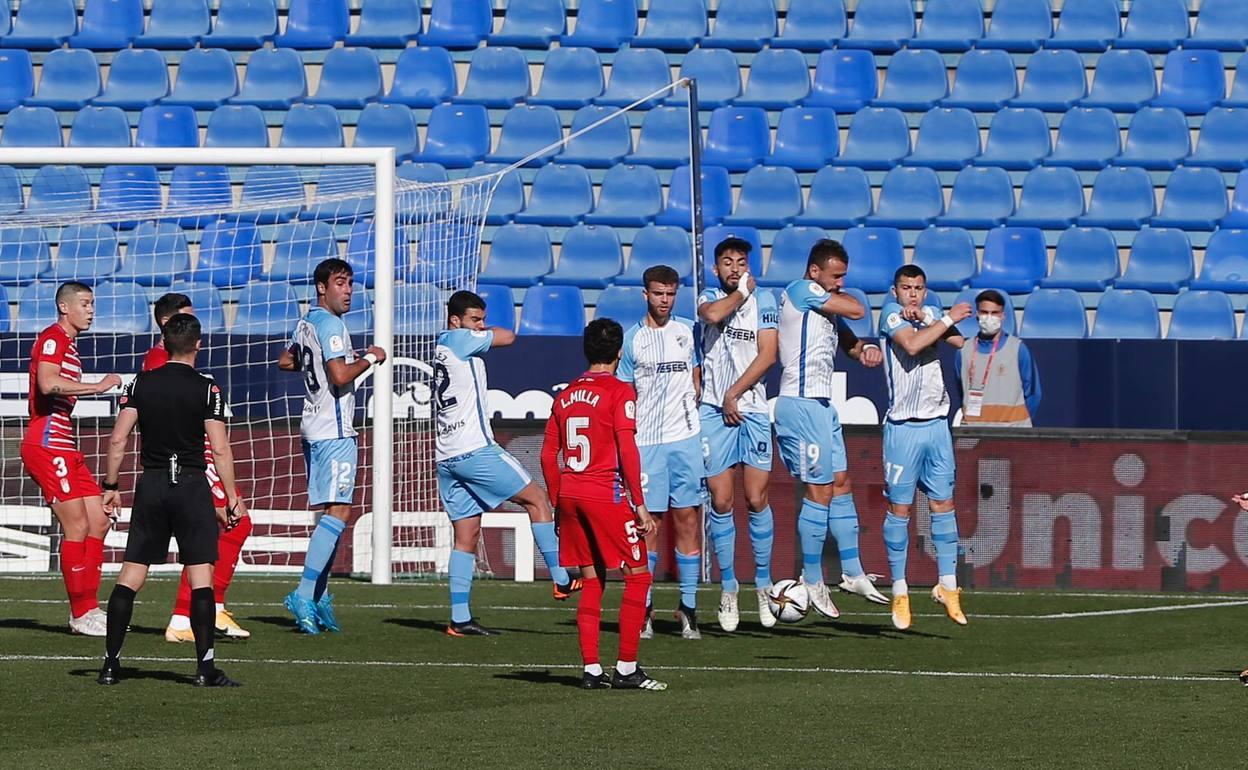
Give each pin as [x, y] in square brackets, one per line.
[593, 422]
[49, 414]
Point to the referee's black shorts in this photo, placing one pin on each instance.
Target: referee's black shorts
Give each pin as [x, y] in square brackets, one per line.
[183, 511]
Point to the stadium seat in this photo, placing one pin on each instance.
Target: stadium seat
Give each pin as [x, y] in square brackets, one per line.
[839, 197]
[947, 255]
[950, 26]
[658, 245]
[458, 24]
[878, 139]
[70, 79]
[1192, 81]
[982, 197]
[909, 197]
[1158, 138]
[520, 255]
[121, 308]
[359, 319]
[457, 136]
[1051, 197]
[863, 328]
[624, 304]
[36, 307]
[531, 24]
[88, 253]
[206, 299]
[17, 79]
[230, 254]
[527, 128]
[806, 139]
[984, 81]
[1127, 314]
[770, 197]
[500, 310]
[718, 75]
[1087, 138]
[1122, 198]
[42, 25]
[423, 77]
[664, 138]
[12, 198]
[206, 79]
[1054, 314]
[880, 25]
[1055, 81]
[350, 79]
[742, 25]
[916, 80]
[433, 173]
[24, 256]
[498, 77]
[196, 191]
[128, 191]
[274, 80]
[713, 236]
[167, 126]
[1015, 260]
[1086, 259]
[716, 197]
[1220, 144]
[1195, 200]
[1019, 25]
[571, 77]
[1225, 267]
[590, 257]
[1160, 261]
[1018, 139]
[243, 24]
[812, 25]
[553, 311]
[1239, 85]
[1089, 25]
[561, 194]
[603, 24]
[876, 254]
[1238, 216]
[108, 25]
[59, 190]
[280, 186]
[386, 24]
[1155, 25]
[844, 80]
[266, 309]
[636, 73]
[789, 252]
[236, 125]
[425, 304]
[737, 139]
[298, 248]
[675, 25]
[361, 252]
[778, 78]
[631, 196]
[970, 327]
[156, 254]
[137, 78]
[340, 191]
[31, 127]
[602, 147]
[1222, 25]
[508, 198]
[1202, 315]
[948, 139]
[1124, 81]
[388, 125]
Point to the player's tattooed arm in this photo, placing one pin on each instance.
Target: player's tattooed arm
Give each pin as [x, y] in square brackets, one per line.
[50, 382]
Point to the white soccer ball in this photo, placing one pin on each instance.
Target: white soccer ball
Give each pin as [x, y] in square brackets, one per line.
[788, 600]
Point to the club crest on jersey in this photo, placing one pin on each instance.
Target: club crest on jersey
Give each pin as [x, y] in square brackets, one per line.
[335, 344]
[49, 347]
[817, 290]
[636, 552]
[630, 409]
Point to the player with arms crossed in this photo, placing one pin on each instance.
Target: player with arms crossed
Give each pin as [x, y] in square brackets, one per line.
[475, 474]
[738, 347]
[808, 428]
[52, 459]
[602, 519]
[321, 348]
[918, 447]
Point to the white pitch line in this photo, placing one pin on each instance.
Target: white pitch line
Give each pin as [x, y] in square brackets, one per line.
[1140, 610]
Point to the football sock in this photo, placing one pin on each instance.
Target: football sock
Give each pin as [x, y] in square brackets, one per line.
[722, 533]
[203, 623]
[762, 535]
[897, 542]
[594, 669]
[181, 622]
[626, 667]
[182, 602]
[73, 570]
[588, 619]
[320, 556]
[843, 524]
[945, 538]
[93, 558]
[322, 582]
[120, 608]
[229, 548]
[652, 561]
[812, 531]
[460, 570]
[688, 567]
[548, 543]
[632, 615]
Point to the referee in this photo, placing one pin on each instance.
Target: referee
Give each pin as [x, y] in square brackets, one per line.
[174, 407]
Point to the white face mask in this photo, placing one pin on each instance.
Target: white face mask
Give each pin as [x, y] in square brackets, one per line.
[989, 325]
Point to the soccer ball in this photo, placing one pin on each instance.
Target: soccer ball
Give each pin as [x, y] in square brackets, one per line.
[788, 600]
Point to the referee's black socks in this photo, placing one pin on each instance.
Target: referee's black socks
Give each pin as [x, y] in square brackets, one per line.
[120, 608]
[204, 625]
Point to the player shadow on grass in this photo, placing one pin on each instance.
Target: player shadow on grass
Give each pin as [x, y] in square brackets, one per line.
[128, 673]
[29, 624]
[439, 626]
[533, 676]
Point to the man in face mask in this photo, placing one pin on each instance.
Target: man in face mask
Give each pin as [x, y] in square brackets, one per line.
[999, 379]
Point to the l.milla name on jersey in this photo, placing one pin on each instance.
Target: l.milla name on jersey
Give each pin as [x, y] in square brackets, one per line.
[578, 396]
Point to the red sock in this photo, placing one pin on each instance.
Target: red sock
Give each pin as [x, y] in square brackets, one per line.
[633, 614]
[229, 548]
[588, 618]
[93, 558]
[182, 604]
[73, 570]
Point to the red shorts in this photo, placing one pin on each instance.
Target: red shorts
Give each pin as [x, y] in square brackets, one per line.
[61, 473]
[592, 532]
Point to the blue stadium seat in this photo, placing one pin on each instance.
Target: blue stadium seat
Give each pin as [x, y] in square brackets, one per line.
[243, 24]
[457, 136]
[1239, 86]
[359, 319]
[41, 25]
[229, 254]
[844, 80]
[60, 190]
[948, 139]
[771, 196]
[167, 126]
[602, 147]
[531, 24]
[1158, 138]
[1055, 81]
[520, 255]
[36, 307]
[658, 245]
[806, 139]
[714, 235]
[916, 80]
[298, 248]
[631, 196]
[274, 80]
[1220, 144]
[1222, 25]
[863, 328]
[675, 25]
[1124, 81]
[571, 77]
[108, 25]
[1122, 198]
[426, 306]
[17, 79]
[423, 77]
[388, 125]
[236, 125]
[1019, 25]
[1202, 315]
[1155, 25]
[875, 253]
[206, 300]
[24, 256]
[1225, 267]
[624, 304]
[561, 194]
[970, 327]
[1195, 200]
[742, 25]
[86, 253]
[1087, 138]
[526, 129]
[716, 197]
[500, 310]
[156, 254]
[590, 257]
[603, 24]
[878, 139]
[137, 78]
[206, 79]
[281, 186]
[664, 138]
[458, 24]
[789, 251]
[985, 80]
[881, 25]
[498, 77]
[361, 252]
[508, 199]
[422, 172]
[1018, 139]
[1160, 261]
[31, 127]
[982, 197]
[947, 255]
[266, 309]
[1192, 81]
[909, 197]
[812, 25]
[11, 196]
[350, 79]
[950, 25]
[718, 75]
[122, 308]
[737, 139]
[194, 190]
[69, 81]
[1054, 314]
[1089, 25]
[129, 191]
[778, 78]
[839, 197]
[335, 182]
[635, 73]
[1127, 314]
[1051, 197]
[1086, 259]
[1015, 260]
[100, 127]
[387, 24]
[553, 311]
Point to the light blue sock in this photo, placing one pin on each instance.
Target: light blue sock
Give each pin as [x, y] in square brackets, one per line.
[461, 568]
[548, 543]
[762, 535]
[812, 531]
[688, 569]
[652, 559]
[320, 555]
[722, 533]
[843, 524]
[945, 538]
[322, 583]
[897, 541]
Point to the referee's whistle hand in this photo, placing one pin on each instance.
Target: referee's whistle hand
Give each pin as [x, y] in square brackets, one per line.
[112, 504]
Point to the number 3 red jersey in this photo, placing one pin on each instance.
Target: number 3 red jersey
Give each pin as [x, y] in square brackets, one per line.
[593, 422]
[50, 425]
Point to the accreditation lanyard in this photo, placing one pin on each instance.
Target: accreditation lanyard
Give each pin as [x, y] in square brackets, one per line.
[975, 395]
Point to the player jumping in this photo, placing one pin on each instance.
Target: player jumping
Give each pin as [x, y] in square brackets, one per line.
[738, 347]
[602, 519]
[918, 448]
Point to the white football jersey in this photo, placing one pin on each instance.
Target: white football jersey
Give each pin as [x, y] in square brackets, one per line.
[808, 342]
[321, 336]
[660, 363]
[460, 392]
[730, 346]
[916, 384]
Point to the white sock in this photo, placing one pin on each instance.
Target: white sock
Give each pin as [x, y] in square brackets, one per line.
[220, 607]
[594, 669]
[900, 588]
[180, 623]
[949, 582]
[625, 667]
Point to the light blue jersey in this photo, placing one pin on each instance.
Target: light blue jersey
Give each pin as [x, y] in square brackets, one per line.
[808, 342]
[460, 392]
[660, 363]
[730, 346]
[916, 385]
[328, 409]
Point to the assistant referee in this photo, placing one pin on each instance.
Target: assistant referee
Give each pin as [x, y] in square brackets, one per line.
[174, 407]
